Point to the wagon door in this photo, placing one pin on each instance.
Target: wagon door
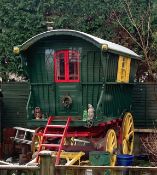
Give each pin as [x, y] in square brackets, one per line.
[67, 79]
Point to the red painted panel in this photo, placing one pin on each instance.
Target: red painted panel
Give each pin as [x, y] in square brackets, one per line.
[7, 134]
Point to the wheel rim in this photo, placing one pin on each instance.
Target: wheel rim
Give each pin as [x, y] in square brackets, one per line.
[111, 145]
[127, 134]
[36, 140]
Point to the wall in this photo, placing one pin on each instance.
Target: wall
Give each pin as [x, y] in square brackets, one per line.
[145, 105]
[15, 97]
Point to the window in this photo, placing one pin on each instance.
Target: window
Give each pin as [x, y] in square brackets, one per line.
[66, 66]
[123, 69]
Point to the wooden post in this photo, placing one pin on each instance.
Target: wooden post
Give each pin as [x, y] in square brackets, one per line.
[47, 163]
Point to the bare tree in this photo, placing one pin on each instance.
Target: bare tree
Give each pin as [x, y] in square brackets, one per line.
[142, 34]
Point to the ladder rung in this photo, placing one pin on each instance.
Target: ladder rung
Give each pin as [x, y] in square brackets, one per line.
[50, 145]
[53, 135]
[56, 126]
[22, 141]
[62, 136]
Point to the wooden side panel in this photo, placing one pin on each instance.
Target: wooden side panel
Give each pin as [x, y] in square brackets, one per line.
[110, 66]
[46, 93]
[117, 99]
[72, 90]
[92, 77]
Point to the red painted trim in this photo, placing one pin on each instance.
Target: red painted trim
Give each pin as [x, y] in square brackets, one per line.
[66, 65]
[55, 66]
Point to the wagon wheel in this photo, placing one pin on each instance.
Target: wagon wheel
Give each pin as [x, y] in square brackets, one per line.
[111, 145]
[36, 140]
[127, 134]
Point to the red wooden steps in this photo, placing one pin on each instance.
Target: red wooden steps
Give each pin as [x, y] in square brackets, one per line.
[46, 135]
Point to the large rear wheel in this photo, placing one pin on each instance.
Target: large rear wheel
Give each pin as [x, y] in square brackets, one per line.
[127, 134]
[36, 139]
[111, 145]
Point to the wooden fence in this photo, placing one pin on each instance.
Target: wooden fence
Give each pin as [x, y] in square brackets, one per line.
[15, 96]
[47, 167]
[145, 105]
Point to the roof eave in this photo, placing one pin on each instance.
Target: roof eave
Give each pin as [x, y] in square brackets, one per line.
[92, 39]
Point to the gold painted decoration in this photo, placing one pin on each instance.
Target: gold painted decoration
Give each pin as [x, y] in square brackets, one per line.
[104, 47]
[16, 50]
[123, 69]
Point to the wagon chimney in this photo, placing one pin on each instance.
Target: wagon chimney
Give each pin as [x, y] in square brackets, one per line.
[49, 25]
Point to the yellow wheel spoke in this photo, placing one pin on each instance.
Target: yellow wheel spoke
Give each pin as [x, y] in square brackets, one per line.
[125, 148]
[129, 135]
[130, 124]
[113, 160]
[114, 144]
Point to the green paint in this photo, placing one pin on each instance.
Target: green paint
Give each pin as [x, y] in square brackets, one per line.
[98, 73]
[85, 115]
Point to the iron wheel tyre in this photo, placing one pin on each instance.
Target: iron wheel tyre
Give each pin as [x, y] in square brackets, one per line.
[111, 145]
[127, 134]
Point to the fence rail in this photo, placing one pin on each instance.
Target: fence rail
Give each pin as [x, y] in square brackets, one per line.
[19, 170]
[100, 170]
[47, 167]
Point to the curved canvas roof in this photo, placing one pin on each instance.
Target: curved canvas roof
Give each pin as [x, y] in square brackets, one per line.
[95, 40]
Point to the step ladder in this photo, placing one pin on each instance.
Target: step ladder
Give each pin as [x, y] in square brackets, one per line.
[61, 136]
[23, 135]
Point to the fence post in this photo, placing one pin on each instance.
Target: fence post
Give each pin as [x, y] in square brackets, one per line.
[47, 165]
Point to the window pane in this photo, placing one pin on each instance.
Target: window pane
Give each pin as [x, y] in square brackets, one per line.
[73, 65]
[60, 67]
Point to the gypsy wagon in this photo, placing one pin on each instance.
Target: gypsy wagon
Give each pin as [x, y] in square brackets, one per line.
[84, 84]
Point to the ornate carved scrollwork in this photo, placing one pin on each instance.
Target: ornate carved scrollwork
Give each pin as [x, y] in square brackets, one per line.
[66, 101]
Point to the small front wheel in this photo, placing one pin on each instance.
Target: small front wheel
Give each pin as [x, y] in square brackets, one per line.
[111, 145]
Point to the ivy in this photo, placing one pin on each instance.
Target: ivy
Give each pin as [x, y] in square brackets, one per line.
[20, 20]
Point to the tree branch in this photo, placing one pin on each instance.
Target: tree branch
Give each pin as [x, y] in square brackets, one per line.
[131, 18]
[131, 36]
[148, 24]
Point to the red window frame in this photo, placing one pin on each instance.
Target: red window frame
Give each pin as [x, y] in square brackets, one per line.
[67, 63]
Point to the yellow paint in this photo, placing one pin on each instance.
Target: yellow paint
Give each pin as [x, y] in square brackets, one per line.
[127, 134]
[71, 157]
[104, 47]
[16, 50]
[111, 145]
[123, 72]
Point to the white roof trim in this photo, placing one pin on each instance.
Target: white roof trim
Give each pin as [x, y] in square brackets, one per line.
[111, 46]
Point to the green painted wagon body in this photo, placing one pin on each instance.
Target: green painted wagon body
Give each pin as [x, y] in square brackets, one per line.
[69, 70]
